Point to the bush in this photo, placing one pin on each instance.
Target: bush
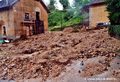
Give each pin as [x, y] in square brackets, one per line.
[114, 30]
[58, 19]
[114, 17]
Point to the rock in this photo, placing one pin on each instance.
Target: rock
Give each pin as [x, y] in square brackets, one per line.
[56, 70]
[93, 69]
[64, 61]
[68, 30]
[82, 63]
[41, 61]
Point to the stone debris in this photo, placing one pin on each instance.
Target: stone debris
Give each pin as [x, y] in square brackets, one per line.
[68, 30]
[116, 74]
[93, 69]
[46, 55]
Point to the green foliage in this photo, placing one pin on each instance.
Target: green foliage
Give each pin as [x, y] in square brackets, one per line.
[72, 21]
[51, 5]
[114, 30]
[80, 3]
[65, 3]
[55, 18]
[58, 20]
[113, 7]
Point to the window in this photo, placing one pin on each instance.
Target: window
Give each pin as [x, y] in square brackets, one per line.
[27, 16]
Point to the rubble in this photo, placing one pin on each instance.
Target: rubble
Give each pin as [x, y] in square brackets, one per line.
[46, 55]
[92, 69]
[116, 74]
[68, 30]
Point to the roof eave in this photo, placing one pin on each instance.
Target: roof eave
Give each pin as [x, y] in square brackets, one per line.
[44, 6]
[94, 4]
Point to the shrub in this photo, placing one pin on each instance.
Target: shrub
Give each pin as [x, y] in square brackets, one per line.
[114, 30]
[113, 7]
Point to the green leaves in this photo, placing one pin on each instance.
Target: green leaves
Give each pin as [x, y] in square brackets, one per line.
[65, 3]
[113, 7]
[69, 16]
[114, 30]
[54, 18]
[51, 5]
[118, 4]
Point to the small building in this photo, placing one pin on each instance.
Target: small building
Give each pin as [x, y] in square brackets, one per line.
[23, 17]
[97, 13]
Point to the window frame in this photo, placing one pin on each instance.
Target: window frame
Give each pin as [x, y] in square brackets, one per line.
[27, 16]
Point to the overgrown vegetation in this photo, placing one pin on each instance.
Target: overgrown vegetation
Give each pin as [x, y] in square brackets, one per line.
[113, 7]
[70, 15]
[114, 30]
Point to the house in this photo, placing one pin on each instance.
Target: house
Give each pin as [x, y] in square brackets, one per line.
[23, 17]
[97, 13]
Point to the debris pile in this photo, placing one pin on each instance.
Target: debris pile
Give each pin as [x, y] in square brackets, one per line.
[93, 69]
[46, 55]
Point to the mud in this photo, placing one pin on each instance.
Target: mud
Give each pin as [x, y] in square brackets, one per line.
[46, 55]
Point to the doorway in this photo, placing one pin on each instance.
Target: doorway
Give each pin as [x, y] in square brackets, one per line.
[39, 24]
[37, 15]
[4, 30]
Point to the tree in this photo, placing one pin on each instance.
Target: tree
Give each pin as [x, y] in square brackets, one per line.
[78, 5]
[113, 7]
[65, 3]
[71, 15]
[51, 5]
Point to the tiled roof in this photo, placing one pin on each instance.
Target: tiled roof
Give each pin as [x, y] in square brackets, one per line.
[7, 3]
[97, 1]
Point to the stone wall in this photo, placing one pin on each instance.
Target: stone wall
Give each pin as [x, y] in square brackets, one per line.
[15, 16]
[28, 6]
[7, 18]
